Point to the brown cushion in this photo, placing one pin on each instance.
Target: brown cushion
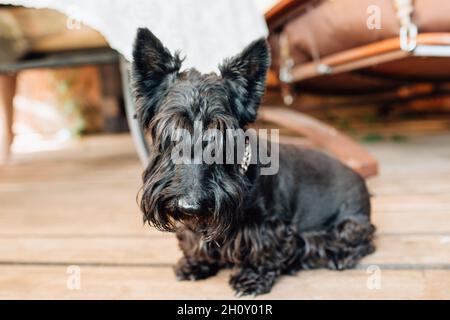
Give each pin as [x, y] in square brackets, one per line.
[334, 26]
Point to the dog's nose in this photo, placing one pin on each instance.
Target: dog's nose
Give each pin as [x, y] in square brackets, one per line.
[188, 205]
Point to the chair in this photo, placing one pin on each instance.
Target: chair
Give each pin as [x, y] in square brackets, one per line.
[380, 50]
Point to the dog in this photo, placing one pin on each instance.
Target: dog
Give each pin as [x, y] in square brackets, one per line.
[314, 212]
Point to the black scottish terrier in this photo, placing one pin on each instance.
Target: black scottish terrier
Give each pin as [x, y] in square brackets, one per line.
[315, 212]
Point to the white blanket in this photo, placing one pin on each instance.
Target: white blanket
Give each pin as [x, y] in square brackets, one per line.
[205, 31]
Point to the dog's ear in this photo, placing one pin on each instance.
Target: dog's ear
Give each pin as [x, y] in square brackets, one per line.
[153, 70]
[245, 76]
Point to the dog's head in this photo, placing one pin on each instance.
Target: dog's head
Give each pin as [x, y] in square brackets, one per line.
[205, 197]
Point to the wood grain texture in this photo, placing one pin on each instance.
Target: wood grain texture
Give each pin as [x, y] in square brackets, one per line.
[49, 282]
[161, 249]
[77, 206]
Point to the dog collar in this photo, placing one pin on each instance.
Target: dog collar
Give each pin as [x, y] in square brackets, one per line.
[243, 166]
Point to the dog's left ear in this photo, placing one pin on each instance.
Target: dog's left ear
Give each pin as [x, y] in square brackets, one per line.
[245, 76]
[153, 71]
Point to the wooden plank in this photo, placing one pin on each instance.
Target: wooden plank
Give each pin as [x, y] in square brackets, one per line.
[77, 206]
[415, 203]
[122, 221]
[89, 190]
[163, 250]
[49, 282]
[110, 208]
[74, 208]
[412, 222]
[91, 250]
[411, 250]
[128, 172]
[415, 186]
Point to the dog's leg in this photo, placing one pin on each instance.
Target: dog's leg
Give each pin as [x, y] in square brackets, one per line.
[199, 260]
[262, 253]
[193, 268]
[254, 280]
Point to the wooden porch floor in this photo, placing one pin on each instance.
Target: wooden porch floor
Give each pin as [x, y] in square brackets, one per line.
[77, 207]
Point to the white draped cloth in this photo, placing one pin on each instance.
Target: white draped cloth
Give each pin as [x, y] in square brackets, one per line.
[206, 31]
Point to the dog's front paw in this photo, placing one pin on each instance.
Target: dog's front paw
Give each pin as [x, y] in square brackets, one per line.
[250, 282]
[188, 269]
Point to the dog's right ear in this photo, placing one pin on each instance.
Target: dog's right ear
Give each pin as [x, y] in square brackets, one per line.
[153, 70]
[245, 76]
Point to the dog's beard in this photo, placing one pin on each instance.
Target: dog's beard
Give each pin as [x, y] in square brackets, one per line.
[228, 197]
[226, 191]
[154, 197]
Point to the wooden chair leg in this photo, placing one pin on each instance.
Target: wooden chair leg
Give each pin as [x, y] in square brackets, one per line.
[7, 92]
[335, 142]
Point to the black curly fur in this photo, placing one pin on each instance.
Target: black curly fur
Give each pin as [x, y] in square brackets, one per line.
[315, 212]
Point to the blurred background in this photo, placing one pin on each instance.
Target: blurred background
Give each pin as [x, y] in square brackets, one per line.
[71, 96]
[367, 81]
